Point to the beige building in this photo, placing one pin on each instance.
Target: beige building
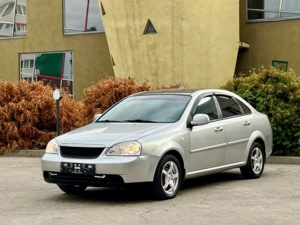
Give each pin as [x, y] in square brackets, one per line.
[61, 41]
[271, 29]
[193, 42]
[198, 43]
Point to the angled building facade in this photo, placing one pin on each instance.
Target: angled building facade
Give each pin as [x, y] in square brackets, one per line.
[193, 42]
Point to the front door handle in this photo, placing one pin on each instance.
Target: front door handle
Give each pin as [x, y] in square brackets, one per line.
[218, 129]
[247, 123]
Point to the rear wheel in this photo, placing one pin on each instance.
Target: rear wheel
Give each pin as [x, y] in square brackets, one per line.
[255, 162]
[168, 178]
[72, 189]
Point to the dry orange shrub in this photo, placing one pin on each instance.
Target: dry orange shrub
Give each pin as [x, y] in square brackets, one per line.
[28, 111]
[107, 92]
[71, 113]
[28, 115]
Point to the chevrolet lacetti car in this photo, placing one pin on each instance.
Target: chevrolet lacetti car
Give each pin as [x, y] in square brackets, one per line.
[161, 138]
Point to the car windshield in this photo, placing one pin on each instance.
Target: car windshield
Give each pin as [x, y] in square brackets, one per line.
[147, 109]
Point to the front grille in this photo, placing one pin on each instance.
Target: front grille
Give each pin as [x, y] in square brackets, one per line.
[84, 179]
[80, 152]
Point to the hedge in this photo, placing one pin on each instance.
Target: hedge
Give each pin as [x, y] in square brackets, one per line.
[277, 94]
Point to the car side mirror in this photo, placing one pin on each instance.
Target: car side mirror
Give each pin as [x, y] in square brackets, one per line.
[200, 119]
[97, 116]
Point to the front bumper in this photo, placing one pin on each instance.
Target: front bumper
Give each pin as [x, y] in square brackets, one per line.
[109, 170]
[97, 180]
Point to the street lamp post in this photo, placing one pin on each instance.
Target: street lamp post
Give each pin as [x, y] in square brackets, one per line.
[57, 96]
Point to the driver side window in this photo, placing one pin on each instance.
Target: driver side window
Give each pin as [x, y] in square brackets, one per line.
[207, 106]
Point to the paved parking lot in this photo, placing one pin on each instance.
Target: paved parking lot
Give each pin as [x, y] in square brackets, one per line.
[225, 198]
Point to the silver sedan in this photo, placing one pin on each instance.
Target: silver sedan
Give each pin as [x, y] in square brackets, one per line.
[161, 138]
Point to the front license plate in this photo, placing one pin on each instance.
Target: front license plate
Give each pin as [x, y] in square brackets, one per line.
[78, 168]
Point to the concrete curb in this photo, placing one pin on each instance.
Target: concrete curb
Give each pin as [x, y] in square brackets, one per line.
[40, 153]
[25, 153]
[283, 160]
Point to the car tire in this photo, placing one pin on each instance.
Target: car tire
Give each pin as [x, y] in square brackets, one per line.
[168, 178]
[255, 162]
[72, 189]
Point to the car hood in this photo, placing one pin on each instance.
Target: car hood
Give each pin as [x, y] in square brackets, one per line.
[108, 134]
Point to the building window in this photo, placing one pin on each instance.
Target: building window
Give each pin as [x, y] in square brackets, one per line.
[82, 16]
[54, 68]
[149, 28]
[267, 10]
[13, 18]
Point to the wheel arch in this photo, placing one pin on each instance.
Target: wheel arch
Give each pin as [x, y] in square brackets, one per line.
[258, 137]
[180, 159]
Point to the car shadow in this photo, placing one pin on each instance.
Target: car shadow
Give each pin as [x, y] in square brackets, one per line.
[121, 195]
[209, 180]
[143, 193]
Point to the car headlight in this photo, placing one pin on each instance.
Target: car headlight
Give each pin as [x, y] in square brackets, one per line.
[132, 148]
[52, 147]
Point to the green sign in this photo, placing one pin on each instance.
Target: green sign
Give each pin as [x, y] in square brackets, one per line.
[50, 64]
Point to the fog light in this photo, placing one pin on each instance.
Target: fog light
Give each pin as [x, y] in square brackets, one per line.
[100, 176]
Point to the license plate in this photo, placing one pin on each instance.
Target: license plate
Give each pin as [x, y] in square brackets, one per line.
[77, 168]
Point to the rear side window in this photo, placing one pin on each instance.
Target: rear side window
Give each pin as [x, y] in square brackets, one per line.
[245, 108]
[229, 106]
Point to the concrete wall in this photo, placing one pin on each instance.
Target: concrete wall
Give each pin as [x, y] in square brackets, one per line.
[91, 58]
[196, 43]
[276, 40]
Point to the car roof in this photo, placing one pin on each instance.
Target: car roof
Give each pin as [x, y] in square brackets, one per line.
[193, 93]
[167, 91]
[183, 91]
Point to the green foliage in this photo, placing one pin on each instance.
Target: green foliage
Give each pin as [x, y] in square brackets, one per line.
[277, 94]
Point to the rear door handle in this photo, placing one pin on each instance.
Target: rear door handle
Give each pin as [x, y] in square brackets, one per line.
[247, 123]
[218, 129]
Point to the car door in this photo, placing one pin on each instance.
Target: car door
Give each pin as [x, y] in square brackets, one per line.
[237, 122]
[207, 142]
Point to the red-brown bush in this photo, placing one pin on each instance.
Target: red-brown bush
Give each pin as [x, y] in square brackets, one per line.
[28, 116]
[107, 92]
[28, 111]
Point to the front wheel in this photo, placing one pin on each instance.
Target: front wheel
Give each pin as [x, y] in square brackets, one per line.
[72, 189]
[168, 178]
[255, 163]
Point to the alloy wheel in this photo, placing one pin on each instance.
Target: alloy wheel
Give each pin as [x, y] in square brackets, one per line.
[170, 177]
[257, 160]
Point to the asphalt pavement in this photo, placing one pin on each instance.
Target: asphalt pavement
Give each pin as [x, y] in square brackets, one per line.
[224, 198]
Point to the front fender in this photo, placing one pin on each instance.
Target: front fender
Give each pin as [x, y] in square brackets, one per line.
[166, 147]
[158, 149]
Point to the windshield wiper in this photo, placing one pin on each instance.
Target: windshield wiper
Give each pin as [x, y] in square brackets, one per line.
[127, 121]
[108, 121]
[141, 121]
